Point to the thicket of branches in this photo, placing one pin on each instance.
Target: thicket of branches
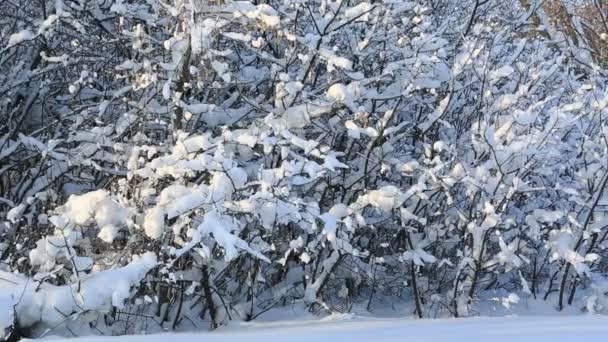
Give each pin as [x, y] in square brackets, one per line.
[184, 161]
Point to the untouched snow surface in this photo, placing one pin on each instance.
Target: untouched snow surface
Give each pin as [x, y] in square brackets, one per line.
[512, 329]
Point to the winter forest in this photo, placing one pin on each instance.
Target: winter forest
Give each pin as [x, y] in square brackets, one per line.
[184, 164]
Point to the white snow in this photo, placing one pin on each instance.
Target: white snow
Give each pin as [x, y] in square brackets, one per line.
[344, 327]
[81, 209]
[385, 198]
[267, 15]
[15, 213]
[506, 101]
[7, 301]
[359, 11]
[334, 60]
[50, 304]
[154, 222]
[354, 131]
[221, 228]
[20, 37]
[503, 72]
[299, 116]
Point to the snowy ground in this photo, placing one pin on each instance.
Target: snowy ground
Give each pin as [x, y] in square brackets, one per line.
[512, 329]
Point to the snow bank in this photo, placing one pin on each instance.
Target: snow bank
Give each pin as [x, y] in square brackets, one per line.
[43, 303]
[7, 318]
[348, 328]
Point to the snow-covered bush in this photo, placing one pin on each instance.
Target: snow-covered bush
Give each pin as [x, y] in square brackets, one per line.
[212, 160]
